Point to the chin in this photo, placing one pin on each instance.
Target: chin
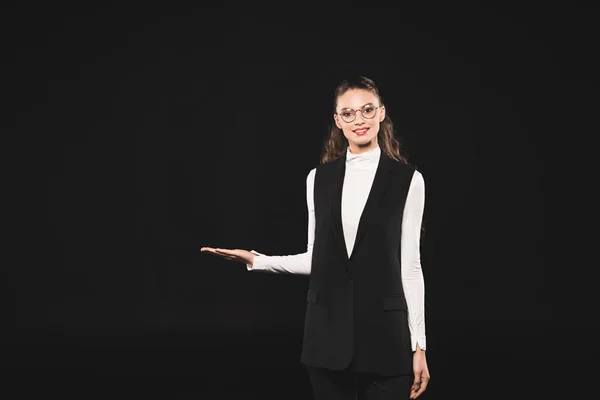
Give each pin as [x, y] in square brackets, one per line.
[364, 140]
[361, 141]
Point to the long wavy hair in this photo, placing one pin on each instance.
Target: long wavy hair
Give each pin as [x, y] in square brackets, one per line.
[336, 143]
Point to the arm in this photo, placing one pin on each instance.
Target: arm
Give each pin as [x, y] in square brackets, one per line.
[412, 275]
[297, 263]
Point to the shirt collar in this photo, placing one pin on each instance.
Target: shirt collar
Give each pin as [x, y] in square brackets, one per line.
[366, 160]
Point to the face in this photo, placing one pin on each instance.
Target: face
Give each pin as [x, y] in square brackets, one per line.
[362, 131]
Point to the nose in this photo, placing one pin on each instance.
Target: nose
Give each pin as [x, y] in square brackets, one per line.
[356, 120]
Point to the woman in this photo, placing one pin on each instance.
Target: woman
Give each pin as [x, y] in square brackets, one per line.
[365, 321]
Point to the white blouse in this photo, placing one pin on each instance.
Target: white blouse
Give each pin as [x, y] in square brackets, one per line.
[358, 179]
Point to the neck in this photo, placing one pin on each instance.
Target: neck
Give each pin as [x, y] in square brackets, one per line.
[363, 148]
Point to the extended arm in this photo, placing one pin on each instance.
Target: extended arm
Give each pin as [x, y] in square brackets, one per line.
[297, 263]
[412, 274]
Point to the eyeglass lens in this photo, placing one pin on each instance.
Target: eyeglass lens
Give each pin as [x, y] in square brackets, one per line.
[367, 111]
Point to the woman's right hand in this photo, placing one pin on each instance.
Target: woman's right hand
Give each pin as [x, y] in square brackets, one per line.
[237, 255]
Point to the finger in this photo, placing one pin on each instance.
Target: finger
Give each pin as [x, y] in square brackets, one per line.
[417, 379]
[211, 250]
[422, 388]
[420, 391]
[232, 253]
[413, 392]
[217, 253]
[416, 386]
[227, 255]
[232, 257]
[225, 251]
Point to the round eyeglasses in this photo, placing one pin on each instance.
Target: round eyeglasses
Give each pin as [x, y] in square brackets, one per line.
[367, 111]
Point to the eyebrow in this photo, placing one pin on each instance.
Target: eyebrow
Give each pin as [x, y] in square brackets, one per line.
[349, 108]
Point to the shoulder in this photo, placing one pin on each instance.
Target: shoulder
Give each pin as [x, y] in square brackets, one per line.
[407, 172]
[327, 169]
[417, 182]
[329, 165]
[311, 175]
[401, 169]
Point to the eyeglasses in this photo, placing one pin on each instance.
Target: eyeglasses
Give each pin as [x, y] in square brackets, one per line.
[367, 111]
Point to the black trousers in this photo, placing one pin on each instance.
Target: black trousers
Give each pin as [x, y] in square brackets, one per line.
[350, 385]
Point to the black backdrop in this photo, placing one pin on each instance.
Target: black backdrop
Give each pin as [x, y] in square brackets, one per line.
[154, 132]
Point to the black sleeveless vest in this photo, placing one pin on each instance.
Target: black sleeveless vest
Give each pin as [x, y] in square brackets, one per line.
[356, 312]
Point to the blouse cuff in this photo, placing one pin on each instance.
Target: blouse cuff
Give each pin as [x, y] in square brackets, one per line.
[258, 264]
[421, 342]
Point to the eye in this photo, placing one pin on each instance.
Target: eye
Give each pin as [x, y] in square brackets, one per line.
[369, 109]
[346, 114]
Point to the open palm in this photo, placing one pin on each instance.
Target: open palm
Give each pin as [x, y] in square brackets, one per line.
[236, 255]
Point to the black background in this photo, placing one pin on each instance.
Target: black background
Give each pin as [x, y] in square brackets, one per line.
[153, 132]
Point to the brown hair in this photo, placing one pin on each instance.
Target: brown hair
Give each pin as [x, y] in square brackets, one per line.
[336, 143]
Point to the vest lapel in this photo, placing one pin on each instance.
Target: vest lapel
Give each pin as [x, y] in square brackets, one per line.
[376, 196]
[335, 203]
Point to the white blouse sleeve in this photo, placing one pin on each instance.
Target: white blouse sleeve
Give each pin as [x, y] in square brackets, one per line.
[412, 274]
[297, 263]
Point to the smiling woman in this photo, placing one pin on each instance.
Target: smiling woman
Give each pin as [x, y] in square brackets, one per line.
[358, 109]
[365, 324]
[360, 127]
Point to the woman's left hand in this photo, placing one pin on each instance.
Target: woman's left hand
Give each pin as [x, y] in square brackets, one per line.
[421, 374]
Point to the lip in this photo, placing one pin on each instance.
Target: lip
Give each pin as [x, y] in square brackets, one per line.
[365, 129]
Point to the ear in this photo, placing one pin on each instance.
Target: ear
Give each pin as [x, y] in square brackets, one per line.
[337, 121]
[382, 114]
